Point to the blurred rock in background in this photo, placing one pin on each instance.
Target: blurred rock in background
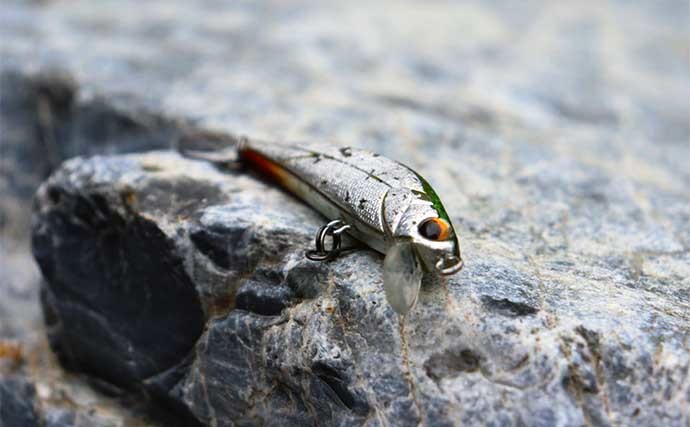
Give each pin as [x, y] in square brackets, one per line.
[556, 133]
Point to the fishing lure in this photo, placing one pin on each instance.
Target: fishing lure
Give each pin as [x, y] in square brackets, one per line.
[375, 200]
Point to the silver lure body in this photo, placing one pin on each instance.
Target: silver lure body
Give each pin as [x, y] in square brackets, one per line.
[378, 201]
[381, 199]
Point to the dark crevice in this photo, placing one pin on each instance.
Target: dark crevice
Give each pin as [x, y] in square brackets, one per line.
[451, 362]
[506, 307]
[213, 245]
[341, 393]
[265, 293]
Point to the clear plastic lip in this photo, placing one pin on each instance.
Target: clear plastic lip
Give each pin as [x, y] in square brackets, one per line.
[449, 264]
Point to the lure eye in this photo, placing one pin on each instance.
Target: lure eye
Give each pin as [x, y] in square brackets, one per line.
[434, 229]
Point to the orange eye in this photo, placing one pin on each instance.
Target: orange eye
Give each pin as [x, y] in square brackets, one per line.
[434, 229]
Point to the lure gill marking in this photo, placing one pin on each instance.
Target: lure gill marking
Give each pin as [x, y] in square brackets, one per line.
[376, 200]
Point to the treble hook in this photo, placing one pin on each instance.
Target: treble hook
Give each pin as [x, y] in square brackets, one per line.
[333, 229]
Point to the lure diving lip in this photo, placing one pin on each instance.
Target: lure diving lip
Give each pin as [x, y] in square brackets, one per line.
[376, 200]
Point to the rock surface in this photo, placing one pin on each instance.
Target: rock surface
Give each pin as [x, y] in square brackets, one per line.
[557, 135]
[140, 252]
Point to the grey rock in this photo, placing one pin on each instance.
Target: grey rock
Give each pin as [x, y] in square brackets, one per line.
[31, 148]
[16, 403]
[557, 135]
[289, 341]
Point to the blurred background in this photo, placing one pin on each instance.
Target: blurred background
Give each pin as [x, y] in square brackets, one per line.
[520, 113]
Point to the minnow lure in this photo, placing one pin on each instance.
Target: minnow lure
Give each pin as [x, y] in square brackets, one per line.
[375, 200]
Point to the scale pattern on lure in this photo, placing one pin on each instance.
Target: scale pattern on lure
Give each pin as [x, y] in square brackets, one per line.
[374, 199]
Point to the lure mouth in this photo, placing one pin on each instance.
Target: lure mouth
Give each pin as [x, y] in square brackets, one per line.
[449, 264]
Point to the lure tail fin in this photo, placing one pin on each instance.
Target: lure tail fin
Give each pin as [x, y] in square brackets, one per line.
[210, 147]
[224, 156]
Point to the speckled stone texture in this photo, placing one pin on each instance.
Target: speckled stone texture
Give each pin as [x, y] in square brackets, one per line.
[557, 135]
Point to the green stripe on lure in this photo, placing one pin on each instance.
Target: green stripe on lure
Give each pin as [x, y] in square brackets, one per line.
[375, 200]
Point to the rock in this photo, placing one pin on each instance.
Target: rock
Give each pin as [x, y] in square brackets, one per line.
[171, 276]
[30, 150]
[16, 403]
[555, 133]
